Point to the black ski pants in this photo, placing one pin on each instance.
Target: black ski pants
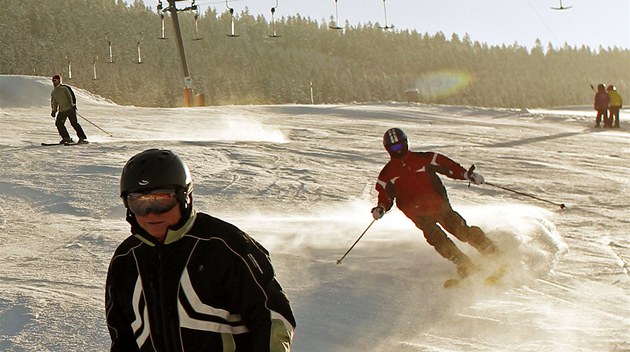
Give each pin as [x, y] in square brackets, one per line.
[61, 121]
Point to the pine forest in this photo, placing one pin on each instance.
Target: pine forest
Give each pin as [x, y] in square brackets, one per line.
[116, 50]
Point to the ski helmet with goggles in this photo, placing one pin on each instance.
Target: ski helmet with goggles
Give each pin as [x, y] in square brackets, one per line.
[395, 142]
[156, 169]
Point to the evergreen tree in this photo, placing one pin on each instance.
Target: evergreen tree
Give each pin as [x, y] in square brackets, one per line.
[356, 64]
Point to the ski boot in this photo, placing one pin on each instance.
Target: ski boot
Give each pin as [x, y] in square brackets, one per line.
[488, 247]
[465, 267]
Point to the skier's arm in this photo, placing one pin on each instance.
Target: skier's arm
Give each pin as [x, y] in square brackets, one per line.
[448, 167]
[263, 305]
[122, 337]
[53, 105]
[385, 189]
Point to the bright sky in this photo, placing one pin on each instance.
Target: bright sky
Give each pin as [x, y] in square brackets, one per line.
[587, 22]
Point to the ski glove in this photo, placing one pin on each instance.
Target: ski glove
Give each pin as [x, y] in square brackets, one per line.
[378, 212]
[52, 114]
[474, 178]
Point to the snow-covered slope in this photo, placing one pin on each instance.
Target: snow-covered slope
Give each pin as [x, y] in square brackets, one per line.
[299, 179]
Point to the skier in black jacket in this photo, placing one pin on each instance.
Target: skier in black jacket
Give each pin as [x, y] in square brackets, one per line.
[186, 281]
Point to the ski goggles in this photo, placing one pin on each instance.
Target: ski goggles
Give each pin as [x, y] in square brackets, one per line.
[396, 147]
[157, 201]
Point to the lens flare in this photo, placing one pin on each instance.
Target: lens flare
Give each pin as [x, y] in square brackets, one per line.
[442, 83]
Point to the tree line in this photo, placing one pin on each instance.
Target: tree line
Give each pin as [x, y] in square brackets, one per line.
[358, 64]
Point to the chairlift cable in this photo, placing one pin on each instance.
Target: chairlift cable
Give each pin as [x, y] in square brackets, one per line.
[555, 37]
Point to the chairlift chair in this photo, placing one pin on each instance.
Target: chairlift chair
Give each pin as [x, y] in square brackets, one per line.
[69, 68]
[161, 11]
[110, 59]
[336, 26]
[94, 68]
[273, 22]
[562, 7]
[195, 9]
[386, 27]
[138, 44]
[232, 33]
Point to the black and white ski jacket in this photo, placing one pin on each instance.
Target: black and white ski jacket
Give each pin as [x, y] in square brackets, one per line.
[208, 287]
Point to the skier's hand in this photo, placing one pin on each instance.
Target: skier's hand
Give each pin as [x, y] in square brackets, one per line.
[52, 114]
[474, 178]
[378, 212]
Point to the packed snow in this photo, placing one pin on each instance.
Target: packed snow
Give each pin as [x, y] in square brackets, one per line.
[300, 179]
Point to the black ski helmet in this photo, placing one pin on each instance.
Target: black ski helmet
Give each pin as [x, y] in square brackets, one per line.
[395, 136]
[155, 169]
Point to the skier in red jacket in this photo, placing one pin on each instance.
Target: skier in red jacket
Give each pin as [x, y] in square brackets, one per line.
[411, 179]
[601, 106]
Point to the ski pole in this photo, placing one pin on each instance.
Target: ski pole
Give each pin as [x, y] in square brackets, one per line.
[561, 205]
[93, 124]
[355, 242]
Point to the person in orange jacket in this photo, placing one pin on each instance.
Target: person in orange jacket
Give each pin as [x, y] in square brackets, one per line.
[411, 179]
[615, 103]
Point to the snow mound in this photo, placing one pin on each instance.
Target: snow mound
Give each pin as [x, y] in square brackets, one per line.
[18, 91]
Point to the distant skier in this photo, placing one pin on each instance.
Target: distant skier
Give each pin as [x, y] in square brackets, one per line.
[601, 106]
[184, 280]
[62, 99]
[411, 179]
[614, 105]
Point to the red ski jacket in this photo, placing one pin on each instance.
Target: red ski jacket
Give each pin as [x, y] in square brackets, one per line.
[413, 182]
[601, 101]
